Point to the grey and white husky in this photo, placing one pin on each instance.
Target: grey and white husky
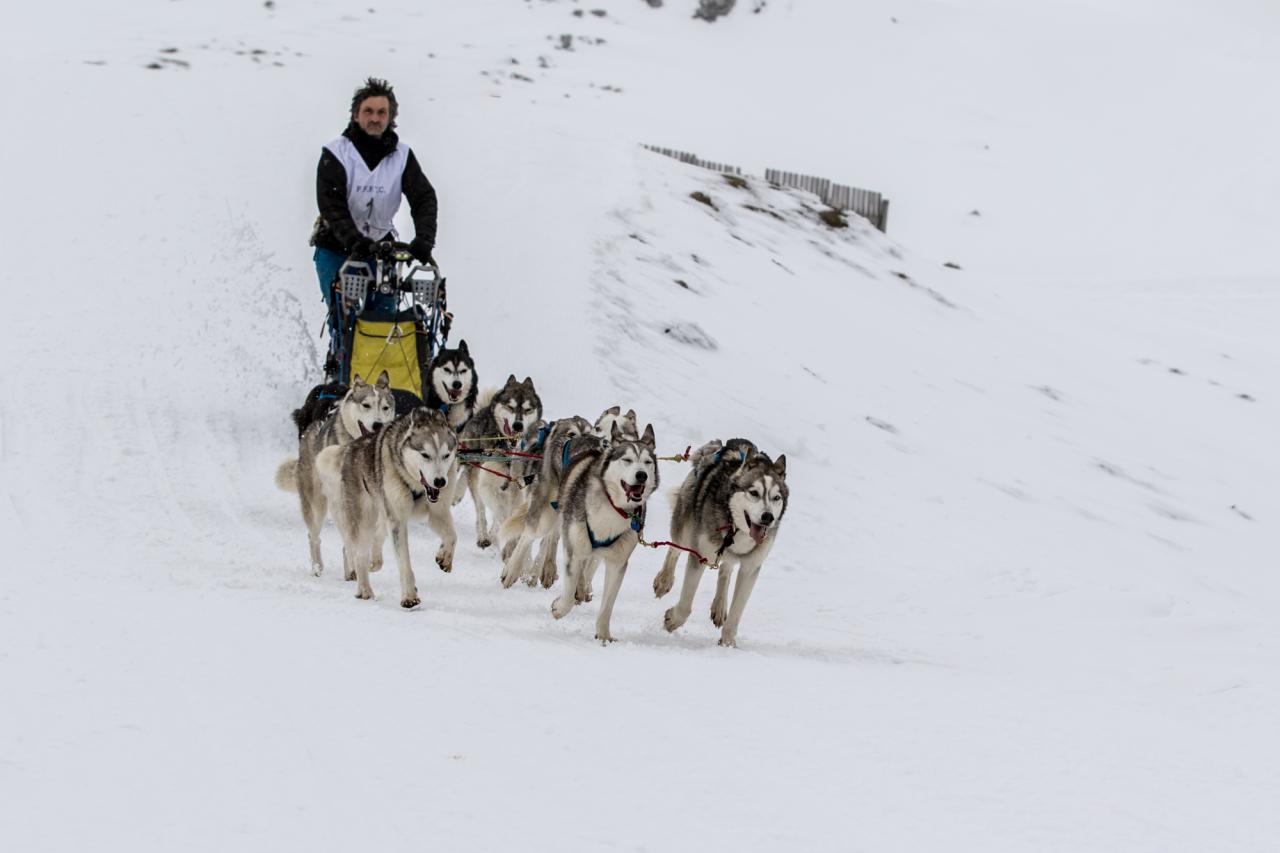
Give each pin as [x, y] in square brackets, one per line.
[378, 483]
[361, 411]
[535, 521]
[727, 509]
[603, 428]
[452, 386]
[496, 427]
[602, 499]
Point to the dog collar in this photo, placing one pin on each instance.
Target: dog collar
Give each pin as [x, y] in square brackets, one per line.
[615, 506]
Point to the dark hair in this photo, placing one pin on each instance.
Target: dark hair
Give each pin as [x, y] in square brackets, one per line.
[374, 88]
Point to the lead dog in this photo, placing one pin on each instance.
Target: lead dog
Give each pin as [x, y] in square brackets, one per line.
[602, 499]
[728, 509]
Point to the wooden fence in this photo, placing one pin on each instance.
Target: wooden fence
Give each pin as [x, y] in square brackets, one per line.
[694, 160]
[866, 203]
[862, 202]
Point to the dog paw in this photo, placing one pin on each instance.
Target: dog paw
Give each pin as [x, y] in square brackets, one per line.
[663, 582]
[582, 595]
[364, 594]
[606, 638]
[549, 577]
[483, 542]
[410, 602]
[349, 576]
[719, 610]
[672, 620]
[531, 580]
[729, 641]
[444, 561]
[508, 578]
[559, 608]
[317, 569]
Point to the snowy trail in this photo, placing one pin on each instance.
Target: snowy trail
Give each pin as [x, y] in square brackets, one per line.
[1023, 597]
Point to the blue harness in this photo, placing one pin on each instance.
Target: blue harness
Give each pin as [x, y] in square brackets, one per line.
[636, 525]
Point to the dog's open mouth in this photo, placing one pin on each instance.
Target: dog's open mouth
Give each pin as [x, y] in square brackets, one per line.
[455, 393]
[757, 531]
[506, 427]
[433, 494]
[634, 492]
[364, 430]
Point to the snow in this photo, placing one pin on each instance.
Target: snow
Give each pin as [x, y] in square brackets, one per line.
[1024, 596]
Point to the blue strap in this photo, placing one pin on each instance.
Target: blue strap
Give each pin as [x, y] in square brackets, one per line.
[326, 396]
[742, 456]
[596, 543]
[555, 505]
[564, 460]
[543, 432]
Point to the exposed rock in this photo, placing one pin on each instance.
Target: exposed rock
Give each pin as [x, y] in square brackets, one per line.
[709, 10]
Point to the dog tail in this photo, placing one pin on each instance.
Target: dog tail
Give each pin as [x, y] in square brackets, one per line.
[287, 476]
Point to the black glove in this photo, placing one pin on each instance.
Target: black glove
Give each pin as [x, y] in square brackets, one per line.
[421, 251]
[361, 248]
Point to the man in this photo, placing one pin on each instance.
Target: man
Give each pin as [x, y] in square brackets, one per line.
[359, 181]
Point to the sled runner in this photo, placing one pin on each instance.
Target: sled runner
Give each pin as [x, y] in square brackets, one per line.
[391, 314]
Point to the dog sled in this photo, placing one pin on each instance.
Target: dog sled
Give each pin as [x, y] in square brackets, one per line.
[390, 313]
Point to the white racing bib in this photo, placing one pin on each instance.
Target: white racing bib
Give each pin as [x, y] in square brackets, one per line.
[373, 197]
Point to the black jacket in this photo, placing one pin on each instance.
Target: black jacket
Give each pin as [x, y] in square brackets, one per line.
[339, 231]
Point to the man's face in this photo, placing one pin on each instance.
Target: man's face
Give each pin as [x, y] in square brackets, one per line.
[374, 114]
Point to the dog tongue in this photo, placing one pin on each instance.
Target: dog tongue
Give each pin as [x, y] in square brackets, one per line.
[757, 533]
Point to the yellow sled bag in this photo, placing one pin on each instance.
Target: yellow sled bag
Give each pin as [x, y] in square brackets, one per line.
[391, 346]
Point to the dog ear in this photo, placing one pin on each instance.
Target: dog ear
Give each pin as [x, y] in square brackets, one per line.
[356, 381]
[612, 410]
[384, 379]
[631, 414]
[462, 347]
[511, 380]
[528, 383]
[780, 465]
[648, 438]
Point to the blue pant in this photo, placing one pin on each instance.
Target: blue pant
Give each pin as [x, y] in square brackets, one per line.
[328, 262]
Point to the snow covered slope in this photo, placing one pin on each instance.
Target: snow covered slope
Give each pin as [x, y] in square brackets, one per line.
[1024, 596]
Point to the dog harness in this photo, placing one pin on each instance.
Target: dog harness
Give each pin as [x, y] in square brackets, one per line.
[444, 410]
[636, 518]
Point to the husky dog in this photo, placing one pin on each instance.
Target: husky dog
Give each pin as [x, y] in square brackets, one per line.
[379, 482]
[320, 403]
[504, 414]
[728, 509]
[603, 428]
[361, 411]
[602, 499]
[452, 385]
[536, 520]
